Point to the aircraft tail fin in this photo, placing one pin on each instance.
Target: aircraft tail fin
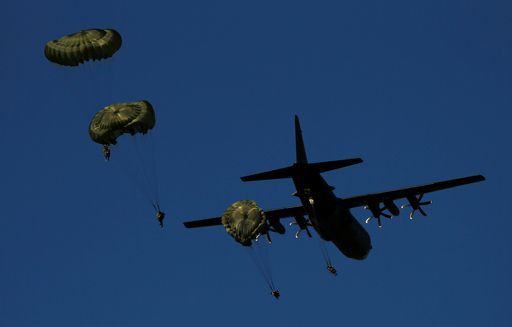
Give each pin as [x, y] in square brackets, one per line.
[301, 165]
[300, 150]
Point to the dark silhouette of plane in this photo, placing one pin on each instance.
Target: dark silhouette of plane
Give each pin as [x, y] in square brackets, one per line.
[329, 215]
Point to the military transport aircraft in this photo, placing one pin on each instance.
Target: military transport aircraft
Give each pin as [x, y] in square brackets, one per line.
[329, 215]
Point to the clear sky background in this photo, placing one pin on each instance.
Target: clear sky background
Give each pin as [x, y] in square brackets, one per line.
[420, 90]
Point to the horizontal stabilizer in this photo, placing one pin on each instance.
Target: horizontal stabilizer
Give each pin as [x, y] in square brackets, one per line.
[324, 166]
[300, 169]
[287, 172]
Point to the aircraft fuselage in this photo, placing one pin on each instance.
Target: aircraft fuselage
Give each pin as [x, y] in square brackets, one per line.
[332, 221]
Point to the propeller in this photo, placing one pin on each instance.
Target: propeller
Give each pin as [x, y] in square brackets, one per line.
[257, 238]
[415, 204]
[377, 212]
[303, 224]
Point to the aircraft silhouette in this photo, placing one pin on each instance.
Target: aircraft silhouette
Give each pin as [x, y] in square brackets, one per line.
[329, 215]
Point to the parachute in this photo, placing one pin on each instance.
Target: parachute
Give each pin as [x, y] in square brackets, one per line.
[137, 119]
[244, 221]
[121, 118]
[76, 48]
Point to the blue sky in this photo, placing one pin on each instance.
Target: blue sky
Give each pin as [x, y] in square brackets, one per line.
[420, 91]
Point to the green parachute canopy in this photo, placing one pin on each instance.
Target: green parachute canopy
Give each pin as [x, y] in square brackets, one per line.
[244, 221]
[121, 118]
[75, 49]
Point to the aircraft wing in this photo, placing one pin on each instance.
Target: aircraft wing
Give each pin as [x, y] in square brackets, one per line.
[203, 222]
[270, 214]
[367, 199]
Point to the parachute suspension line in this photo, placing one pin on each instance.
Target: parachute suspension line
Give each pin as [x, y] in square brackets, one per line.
[262, 250]
[155, 206]
[261, 266]
[149, 162]
[141, 175]
[132, 174]
[149, 141]
[323, 249]
[327, 257]
[149, 183]
[132, 170]
[325, 254]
